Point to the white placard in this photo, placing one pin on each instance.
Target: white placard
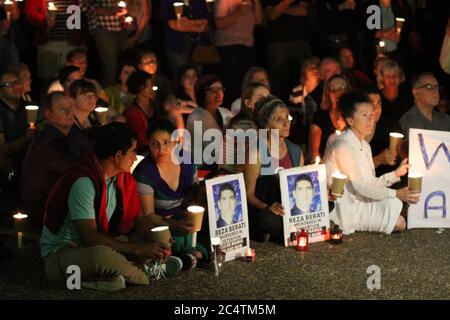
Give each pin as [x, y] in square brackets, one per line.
[429, 154]
[228, 214]
[305, 199]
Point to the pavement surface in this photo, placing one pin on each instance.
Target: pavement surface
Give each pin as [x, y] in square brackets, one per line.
[414, 264]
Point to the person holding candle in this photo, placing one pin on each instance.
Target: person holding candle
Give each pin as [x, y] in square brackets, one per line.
[15, 132]
[163, 186]
[183, 34]
[261, 180]
[55, 149]
[90, 210]
[367, 204]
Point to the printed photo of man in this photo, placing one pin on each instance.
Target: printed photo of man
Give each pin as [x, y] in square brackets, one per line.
[303, 194]
[227, 206]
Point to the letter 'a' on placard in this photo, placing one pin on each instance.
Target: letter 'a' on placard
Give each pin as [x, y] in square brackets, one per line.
[429, 157]
[228, 214]
[304, 197]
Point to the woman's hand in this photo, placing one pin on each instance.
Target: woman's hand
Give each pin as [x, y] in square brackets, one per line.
[277, 209]
[402, 169]
[407, 195]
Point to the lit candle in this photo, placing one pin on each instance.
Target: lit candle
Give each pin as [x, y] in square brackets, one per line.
[129, 20]
[135, 163]
[102, 114]
[302, 241]
[178, 9]
[196, 215]
[338, 132]
[337, 184]
[250, 255]
[122, 4]
[399, 24]
[380, 47]
[415, 181]
[317, 161]
[155, 88]
[395, 139]
[32, 112]
[20, 226]
[336, 235]
[52, 7]
[290, 118]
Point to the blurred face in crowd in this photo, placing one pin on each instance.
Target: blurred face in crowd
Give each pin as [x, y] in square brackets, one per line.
[280, 120]
[391, 77]
[258, 93]
[86, 101]
[127, 70]
[11, 87]
[25, 78]
[189, 79]
[76, 75]
[375, 99]
[161, 146]
[261, 77]
[147, 90]
[214, 95]
[426, 92]
[79, 61]
[125, 161]
[61, 113]
[347, 59]
[149, 63]
[338, 87]
[312, 72]
[362, 120]
[329, 69]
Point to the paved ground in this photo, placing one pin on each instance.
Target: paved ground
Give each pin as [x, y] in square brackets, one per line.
[414, 265]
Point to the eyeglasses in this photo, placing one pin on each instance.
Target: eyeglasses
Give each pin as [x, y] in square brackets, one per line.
[428, 86]
[10, 84]
[215, 89]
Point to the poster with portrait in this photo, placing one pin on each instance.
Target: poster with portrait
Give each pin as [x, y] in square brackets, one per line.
[429, 157]
[227, 213]
[305, 199]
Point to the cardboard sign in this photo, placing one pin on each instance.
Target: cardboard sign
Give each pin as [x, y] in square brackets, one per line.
[429, 156]
[228, 214]
[305, 199]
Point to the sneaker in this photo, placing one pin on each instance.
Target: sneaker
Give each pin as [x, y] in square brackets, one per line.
[156, 270]
[112, 284]
[189, 262]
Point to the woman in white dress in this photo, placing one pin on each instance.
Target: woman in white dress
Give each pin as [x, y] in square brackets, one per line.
[367, 203]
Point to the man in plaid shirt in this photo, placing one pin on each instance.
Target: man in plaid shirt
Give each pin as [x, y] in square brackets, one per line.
[105, 20]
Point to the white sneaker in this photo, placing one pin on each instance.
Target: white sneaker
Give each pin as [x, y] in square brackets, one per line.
[114, 283]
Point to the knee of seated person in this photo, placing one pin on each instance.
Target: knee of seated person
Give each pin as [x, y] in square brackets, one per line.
[102, 254]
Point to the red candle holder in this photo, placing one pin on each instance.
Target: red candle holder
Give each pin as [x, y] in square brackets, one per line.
[336, 236]
[250, 255]
[302, 241]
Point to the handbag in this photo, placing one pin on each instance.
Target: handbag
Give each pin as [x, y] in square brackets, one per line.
[205, 54]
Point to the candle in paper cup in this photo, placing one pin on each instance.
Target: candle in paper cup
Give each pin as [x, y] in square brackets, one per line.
[380, 47]
[52, 7]
[129, 20]
[8, 5]
[162, 235]
[122, 4]
[337, 184]
[215, 241]
[155, 88]
[19, 222]
[102, 114]
[196, 214]
[178, 9]
[135, 164]
[415, 182]
[395, 139]
[399, 24]
[32, 112]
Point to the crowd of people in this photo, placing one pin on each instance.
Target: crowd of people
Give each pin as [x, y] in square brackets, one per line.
[305, 69]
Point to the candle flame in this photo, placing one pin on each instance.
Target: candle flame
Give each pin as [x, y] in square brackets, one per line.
[338, 132]
[317, 161]
[122, 4]
[20, 215]
[382, 44]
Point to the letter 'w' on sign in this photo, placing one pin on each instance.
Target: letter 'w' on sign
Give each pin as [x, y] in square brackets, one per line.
[374, 280]
[429, 163]
[74, 280]
[374, 20]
